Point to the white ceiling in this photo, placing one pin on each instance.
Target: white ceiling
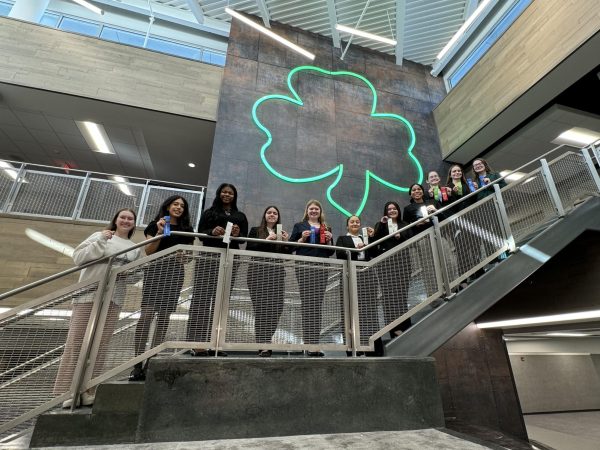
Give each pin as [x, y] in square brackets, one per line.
[39, 127]
[425, 25]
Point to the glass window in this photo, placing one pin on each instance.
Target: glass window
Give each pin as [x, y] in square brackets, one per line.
[5, 9]
[79, 26]
[122, 37]
[218, 59]
[173, 48]
[50, 20]
[503, 24]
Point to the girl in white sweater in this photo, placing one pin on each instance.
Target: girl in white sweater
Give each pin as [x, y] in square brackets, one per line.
[115, 238]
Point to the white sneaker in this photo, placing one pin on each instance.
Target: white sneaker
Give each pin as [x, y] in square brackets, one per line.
[67, 403]
[87, 399]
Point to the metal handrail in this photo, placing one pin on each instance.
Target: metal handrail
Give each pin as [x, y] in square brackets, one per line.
[75, 269]
[162, 182]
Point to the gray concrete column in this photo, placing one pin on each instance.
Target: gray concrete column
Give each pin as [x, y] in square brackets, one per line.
[29, 10]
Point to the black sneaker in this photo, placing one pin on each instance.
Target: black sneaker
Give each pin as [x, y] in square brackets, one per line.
[315, 354]
[137, 374]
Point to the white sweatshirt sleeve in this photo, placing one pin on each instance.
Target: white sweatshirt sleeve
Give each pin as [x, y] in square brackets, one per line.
[92, 248]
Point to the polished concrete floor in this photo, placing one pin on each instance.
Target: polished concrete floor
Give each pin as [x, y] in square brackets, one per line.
[565, 431]
[428, 439]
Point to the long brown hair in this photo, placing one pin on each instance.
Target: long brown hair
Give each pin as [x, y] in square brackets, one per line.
[321, 216]
[262, 228]
[112, 226]
[463, 180]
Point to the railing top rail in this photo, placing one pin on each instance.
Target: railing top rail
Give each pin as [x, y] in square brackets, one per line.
[161, 183]
[75, 269]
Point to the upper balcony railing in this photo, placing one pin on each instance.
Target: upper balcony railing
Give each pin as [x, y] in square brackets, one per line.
[46, 191]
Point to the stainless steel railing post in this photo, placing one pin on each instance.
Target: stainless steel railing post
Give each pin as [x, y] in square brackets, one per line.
[551, 186]
[440, 261]
[503, 217]
[591, 167]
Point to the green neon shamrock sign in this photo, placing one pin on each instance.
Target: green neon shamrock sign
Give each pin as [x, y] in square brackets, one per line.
[338, 170]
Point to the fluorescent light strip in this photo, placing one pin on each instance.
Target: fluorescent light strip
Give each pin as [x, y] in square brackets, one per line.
[96, 137]
[269, 33]
[364, 34]
[47, 241]
[89, 6]
[463, 28]
[579, 137]
[542, 320]
[567, 334]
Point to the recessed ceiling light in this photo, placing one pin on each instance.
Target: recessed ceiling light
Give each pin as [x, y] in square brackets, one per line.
[577, 137]
[122, 185]
[191, 165]
[96, 137]
[512, 177]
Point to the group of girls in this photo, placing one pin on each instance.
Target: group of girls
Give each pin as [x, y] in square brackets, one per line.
[163, 280]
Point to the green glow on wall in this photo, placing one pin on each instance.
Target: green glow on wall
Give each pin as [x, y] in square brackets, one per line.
[339, 169]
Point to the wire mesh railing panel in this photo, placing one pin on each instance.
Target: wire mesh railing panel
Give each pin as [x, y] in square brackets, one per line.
[103, 197]
[572, 178]
[277, 302]
[8, 175]
[393, 285]
[474, 238]
[39, 351]
[157, 195]
[47, 194]
[528, 205]
[165, 299]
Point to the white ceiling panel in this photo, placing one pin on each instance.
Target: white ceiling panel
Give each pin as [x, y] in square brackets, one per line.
[428, 24]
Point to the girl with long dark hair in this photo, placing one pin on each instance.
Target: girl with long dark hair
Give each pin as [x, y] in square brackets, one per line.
[163, 279]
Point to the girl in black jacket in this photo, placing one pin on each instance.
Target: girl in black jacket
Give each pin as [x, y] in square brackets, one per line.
[212, 222]
[414, 211]
[266, 282]
[393, 272]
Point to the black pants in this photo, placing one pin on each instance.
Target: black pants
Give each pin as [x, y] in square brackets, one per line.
[312, 283]
[160, 294]
[394, 279]
[202, 305]
[266, 284]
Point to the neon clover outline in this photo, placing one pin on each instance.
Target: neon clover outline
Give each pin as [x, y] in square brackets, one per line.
[339, 169]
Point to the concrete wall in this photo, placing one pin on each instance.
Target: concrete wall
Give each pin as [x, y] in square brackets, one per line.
[44, 58]
[557, 382]
[334, 126]
[476, 382]
[25, 261]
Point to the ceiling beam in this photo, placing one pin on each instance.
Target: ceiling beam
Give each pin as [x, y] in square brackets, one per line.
[196, 10]
[264, 12]
[400, 19]
[335, 35]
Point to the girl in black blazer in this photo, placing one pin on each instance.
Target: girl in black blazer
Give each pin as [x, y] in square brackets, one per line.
[212, 222]
[365, 280]
[266, 283]
[312, 282]
[414, 212]
[393, 273]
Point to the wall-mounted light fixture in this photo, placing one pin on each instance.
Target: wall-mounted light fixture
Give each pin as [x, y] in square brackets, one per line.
[269, 33]
[96, 137]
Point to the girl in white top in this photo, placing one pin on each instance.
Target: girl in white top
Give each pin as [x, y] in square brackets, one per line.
[115, 238]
